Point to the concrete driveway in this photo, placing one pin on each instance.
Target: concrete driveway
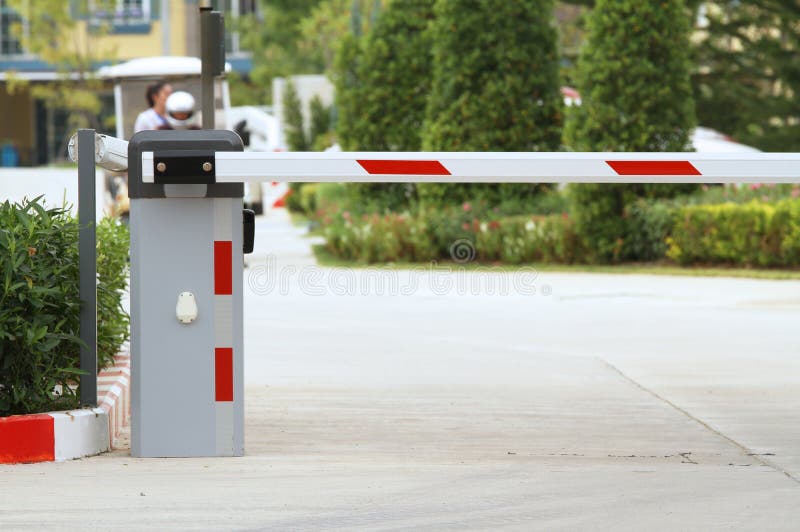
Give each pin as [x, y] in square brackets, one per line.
[389, 400]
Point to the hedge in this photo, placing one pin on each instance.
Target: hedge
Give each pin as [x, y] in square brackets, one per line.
[745, 234]
[39, 304]
[459, 235]
[750, 234]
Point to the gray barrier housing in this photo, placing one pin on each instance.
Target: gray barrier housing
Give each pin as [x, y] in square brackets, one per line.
[187, 374]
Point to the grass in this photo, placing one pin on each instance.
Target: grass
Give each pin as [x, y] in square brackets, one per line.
[326, 258]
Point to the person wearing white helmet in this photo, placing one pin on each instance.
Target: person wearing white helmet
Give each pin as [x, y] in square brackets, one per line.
[180, 111]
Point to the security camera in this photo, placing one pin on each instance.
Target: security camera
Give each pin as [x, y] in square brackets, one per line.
[110, 153]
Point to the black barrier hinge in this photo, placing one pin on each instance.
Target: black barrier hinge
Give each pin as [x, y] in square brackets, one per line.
[184, 167]
[249, 233]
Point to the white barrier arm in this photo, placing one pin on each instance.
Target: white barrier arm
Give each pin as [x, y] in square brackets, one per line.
[492, 167]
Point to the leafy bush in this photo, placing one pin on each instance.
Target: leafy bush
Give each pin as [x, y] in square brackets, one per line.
[293, 200]
[785, 232]
[629, 105]
[494, 87]
[113, 244]
[381, 197]
[319, 131]
[293, 119]
[444, 235]
[383, 80]
[382, 84]
[375, 238]
[742, 235]
[710, 194]
[650, 223]
[308, 197]
[40, 309]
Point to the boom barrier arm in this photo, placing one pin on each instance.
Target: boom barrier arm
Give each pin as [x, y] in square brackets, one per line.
[485, 167]
[207, 166]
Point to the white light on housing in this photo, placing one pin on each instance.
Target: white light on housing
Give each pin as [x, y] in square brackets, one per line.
[110, 153]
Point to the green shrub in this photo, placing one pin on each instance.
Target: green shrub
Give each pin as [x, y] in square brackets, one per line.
[650, 224]
[376, 238]
[627, 106]
[445, 235]
[308, 198]
[559, 240]
[518, 197]
[319, 131]
[733, 193]
[785, 232]
[113, 244]
[40, 309]
[741, 235]
[382, 83]
[293, 200]
[494, 87]
[293, 119]
[381, 197]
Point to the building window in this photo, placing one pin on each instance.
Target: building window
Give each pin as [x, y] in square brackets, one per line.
[121, 13]
[10, 45]
[233, 10]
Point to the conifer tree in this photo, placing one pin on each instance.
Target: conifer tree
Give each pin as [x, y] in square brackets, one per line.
[634, 80]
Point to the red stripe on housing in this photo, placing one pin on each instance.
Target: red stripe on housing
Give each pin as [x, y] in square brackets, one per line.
[653, 168]
[27, 439]
[404, 167]
[223, 267]
[223, 373]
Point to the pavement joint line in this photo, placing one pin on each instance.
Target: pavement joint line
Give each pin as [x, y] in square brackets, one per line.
[702, 423]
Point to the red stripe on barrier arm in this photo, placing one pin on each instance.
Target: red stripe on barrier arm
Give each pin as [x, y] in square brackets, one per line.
[403, 167]
[27, 439]
[223, 373]
[653, 168]
[223, 267]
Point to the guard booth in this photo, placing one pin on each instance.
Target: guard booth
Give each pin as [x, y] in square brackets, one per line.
[189, 232]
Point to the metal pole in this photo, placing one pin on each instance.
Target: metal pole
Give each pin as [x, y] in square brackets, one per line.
[207, 69]
[87, 252]
[165, 30]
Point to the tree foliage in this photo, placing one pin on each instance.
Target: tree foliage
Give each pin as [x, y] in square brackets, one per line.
[749, 72]
[392, 81]
[495, 86]
[273, 36]
[291, 37]
[320, 122]
[382, 81]
[634, 79]
[53, 35]
[293, 119]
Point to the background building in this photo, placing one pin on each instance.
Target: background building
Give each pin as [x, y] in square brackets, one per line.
[136, 28]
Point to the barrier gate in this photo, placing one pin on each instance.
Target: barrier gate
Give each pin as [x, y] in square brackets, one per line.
[188, 233]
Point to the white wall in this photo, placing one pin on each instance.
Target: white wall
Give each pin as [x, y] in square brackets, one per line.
[58, 185]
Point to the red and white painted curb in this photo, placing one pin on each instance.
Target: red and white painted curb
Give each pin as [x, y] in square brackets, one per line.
[53, 436]
[58, 436]
[114, 394]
